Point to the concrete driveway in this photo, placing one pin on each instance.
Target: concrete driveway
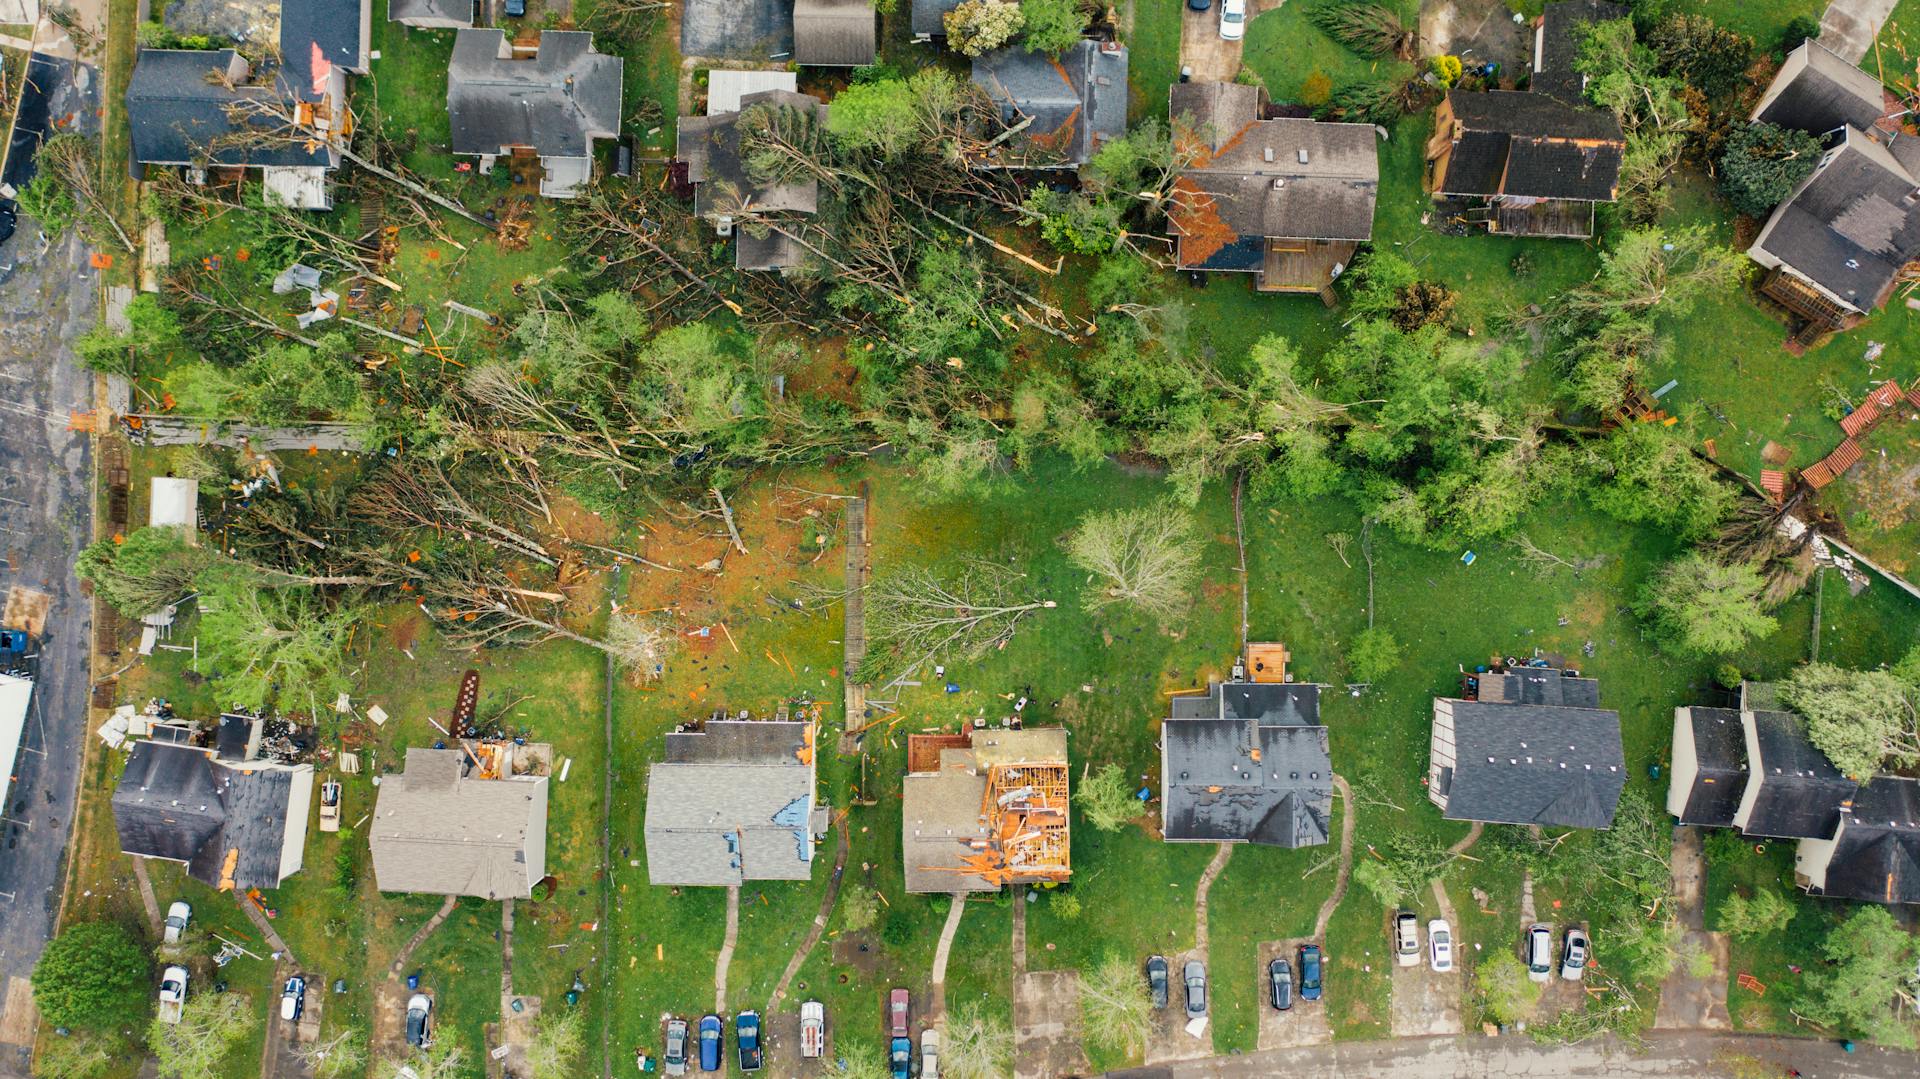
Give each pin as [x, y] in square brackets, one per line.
[1849, 26]
[1306, 1022]
[1203, 52]
[1046, 1033]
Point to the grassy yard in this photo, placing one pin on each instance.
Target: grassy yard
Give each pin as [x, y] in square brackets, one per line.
[1153, 57]
[1285, 48]
[1761, 22]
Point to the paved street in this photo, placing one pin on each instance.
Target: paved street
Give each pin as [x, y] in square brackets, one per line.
[1474, 1056]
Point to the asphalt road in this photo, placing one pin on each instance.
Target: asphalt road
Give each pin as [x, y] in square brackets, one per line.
[45, 476]
[1473, 1056]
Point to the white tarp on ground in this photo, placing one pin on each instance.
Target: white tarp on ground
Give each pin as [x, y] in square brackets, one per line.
[174, 501]
[20, 12]
[15, 695]
[298, 187]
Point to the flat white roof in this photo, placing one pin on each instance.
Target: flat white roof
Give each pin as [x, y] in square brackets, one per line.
[15, 695]
[174, 501]
[725, 87]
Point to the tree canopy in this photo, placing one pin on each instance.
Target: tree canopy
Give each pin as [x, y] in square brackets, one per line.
[1763, 163]
[1870, 969]
[93, 976]
[1699, 606]
[1862, 720]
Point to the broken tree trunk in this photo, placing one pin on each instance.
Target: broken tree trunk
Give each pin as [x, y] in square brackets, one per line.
[437, 199]
[726, 514]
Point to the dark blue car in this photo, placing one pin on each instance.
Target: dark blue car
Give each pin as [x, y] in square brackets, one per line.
[710, 1030]
[1309, 972]
[900, 1056]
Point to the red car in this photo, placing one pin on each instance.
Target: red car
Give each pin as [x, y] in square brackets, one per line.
[897, 1014]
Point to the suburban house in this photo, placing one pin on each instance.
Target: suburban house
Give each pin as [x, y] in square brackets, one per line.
[1288, 200]
[1524, 163]
[756, 214]
[551, 101]
[1557, 37]
[835, 33]
[1526, 744]
[733, 801]
[1066, 108]
[201, 110]
[985, 808]
[1836, 246]
[432, 14]
[1755, 769]
[235, 821]
[456, 824]
[1247, 761]
[929, 18]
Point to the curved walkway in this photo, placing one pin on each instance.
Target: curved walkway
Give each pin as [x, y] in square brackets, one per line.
[1467, 842]
[1347, 821]
[1200, 891]
[819, 920]
[419, 938]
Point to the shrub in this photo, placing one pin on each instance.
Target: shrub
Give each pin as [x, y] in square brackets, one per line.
[1106, 799]
[1505, 992]
[977, 27]
[93, 976]
[1374, 655]
[1052, 26]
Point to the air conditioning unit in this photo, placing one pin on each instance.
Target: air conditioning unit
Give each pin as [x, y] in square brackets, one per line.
[723, 226]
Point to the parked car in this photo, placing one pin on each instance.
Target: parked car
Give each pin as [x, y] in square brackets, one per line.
[1539, 951]
[1280, 984]
[178, 915]
[899, 1012]
[1440, 945]
[420, 1021]
[1309, 972]
[293, 999]
[330, 806]
[676, 1059]
[1233, 19]
[710, 1034]
[1573, 955]
[9, 219]
[1406, 939]
[173, 993]
[516, 9]
[1157, 979]
[1199, 5]
[900, 1057]
[1195, 977]
[929, 1054]
[746, 1040]
[813, 1029]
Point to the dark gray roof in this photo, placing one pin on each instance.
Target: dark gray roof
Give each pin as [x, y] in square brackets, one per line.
[558, 102]
[1248, 177]
[928, 16]
[1799, 792]
[1535, 764]
[1539, 685]
[1720, 750]
[1560, 39]
[834, 33]
[177, 114]
[1076, 102]
[1532, 146]
[236, 737]
[1851, 226]
[765, 249]
[1817, 90]
[1248, 763]
[710, 145]
[432, 12]
[1877, 858]
[732, 802]
[317, 36]
[174, 802]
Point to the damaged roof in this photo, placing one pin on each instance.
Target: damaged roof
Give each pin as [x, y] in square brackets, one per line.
[1877, 855]
[1796, 792]
[437, 831]
[175, 802]
[557, 102]
[1531, 145]
[732, 801]
[1850, 227]
[1076, 102]
[182, 110]
[1557, 46]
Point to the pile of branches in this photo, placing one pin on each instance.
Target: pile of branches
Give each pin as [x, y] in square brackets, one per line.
[1366, 27]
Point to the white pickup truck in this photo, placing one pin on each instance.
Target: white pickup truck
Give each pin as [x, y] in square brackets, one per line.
[173, 994]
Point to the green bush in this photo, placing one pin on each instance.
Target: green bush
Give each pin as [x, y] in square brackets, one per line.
[93, 976]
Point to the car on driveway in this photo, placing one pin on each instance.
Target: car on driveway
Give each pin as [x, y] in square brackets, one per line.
[1539, 951]
[178, 915]
[9, 219]
[813, 1029]
[1573, 955]
[900, 1057]
[676, 1059]
[1280, 984]
[746, 1038]
[1309, 972]
[929, 1054]
[1195, 977]
[1199, 5]
[1157, 979]
[1406, 939]
[1440, 945]
[711, 1031]
[899, 1013]
[1233, 19]
[293, 999]
[420, 1021]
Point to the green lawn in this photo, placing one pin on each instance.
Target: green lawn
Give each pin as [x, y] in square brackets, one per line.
[1763, 22]
[1153, 57]
[1285, 48]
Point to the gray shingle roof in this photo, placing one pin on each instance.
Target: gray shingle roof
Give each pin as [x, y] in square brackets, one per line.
[436, 831]
[1559, 46]
[1076, 102]
[834, 33]
[1721, 752]
[1532, 146]
[732, 802]
[1539, 685]
[710, 145]
[1249, 174]
[558, 102]
[178, 115]
[1799, 792]
[1248, 763]
[1851, 226]
[317, 36]
[1535, 764]
[928, 16]
[174, 802]
[1817, 90]
[1877, 858]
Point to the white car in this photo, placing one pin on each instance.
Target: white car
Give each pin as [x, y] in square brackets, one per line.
[1406, 939]
[178, 915]
[929, 1054]
[173, 994]
[1539, 952]
[1573, 956]
[1233, 19]
[1440, 945]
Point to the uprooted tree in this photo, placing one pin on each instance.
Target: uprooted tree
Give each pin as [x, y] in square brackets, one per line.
[1146, 558]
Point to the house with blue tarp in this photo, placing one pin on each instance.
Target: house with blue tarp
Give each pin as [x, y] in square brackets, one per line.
[734, 801]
